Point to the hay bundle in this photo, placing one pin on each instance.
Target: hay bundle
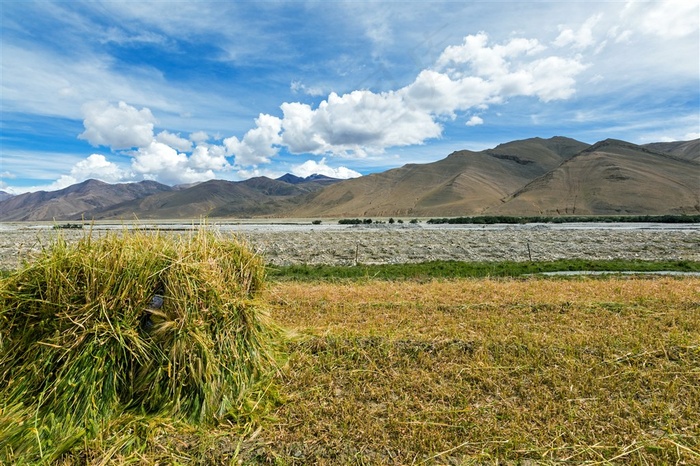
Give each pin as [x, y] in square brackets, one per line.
[133, 321]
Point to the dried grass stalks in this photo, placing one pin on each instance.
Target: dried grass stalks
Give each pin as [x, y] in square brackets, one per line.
[84, 337]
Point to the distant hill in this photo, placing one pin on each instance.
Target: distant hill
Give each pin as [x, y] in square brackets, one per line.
[215, 198]
[685, 149]
[4, 195]
[316, 178]
[74, 201]
[556, 176]
[464, 183]
[611, 178]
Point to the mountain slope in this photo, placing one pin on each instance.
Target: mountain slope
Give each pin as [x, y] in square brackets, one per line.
[214, 198]
[685, 149]
[72, 202]
[465, 182]
[556, 176]
[611, 177]
[316, 179]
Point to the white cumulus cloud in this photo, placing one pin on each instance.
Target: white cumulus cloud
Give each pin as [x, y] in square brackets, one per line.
[473, 74]
[174, 141]
[355, 123]
[120, 127]
[259, 144]
[311, 167]
[160, 162]
[475, 121]
[483, 60]
[199, 136]
[209, 157]
[98, 167]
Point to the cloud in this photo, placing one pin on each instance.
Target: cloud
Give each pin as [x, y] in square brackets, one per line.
[199, 136]
[259, 144]
[298, 86]
[158, 161]
[311, 167]
[209, 157]
[98, 167]
[120, 127]
[471, 75]
[163, 158]
[436, 93]
[483, 60]
[502, 71]
[355, 123]
[174, 141]
[666, 19]
[475, 121]
[581, 39]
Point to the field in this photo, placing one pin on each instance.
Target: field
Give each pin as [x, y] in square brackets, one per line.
[413, 365]
[463, 371]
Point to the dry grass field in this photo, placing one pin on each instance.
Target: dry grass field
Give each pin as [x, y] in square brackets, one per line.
[593, 371]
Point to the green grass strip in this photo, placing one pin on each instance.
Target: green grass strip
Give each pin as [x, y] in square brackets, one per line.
[456, 269]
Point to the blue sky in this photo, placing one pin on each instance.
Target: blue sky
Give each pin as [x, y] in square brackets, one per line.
[181, 92]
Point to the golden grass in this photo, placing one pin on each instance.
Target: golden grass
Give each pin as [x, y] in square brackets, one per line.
[592, 371]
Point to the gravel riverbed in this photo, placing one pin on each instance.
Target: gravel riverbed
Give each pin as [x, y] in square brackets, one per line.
[285, 244]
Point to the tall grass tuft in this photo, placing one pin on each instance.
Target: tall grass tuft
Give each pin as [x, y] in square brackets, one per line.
[129, 323]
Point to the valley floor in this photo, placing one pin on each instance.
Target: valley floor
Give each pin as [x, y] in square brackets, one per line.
[388, 244]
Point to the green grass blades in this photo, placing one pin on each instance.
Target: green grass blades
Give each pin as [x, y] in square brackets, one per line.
[130, 322]
[456, 269]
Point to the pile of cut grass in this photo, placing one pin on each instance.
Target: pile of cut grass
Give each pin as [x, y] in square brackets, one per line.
[130, 329]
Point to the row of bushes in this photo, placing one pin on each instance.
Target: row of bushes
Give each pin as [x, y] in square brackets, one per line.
[569, 219]
[368, 221]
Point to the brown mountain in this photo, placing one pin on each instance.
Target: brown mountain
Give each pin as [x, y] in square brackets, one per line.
[215, 198]
[464, 183]
[685, 149]
[72, 202]
[612, 177]
[556, 176]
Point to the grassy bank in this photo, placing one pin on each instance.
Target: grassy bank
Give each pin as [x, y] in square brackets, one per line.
[456, 269]
[459, 269]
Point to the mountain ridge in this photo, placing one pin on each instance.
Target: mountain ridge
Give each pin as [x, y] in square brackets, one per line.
[555, 176]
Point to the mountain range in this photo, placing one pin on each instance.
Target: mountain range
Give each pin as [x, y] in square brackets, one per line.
[555, 176]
